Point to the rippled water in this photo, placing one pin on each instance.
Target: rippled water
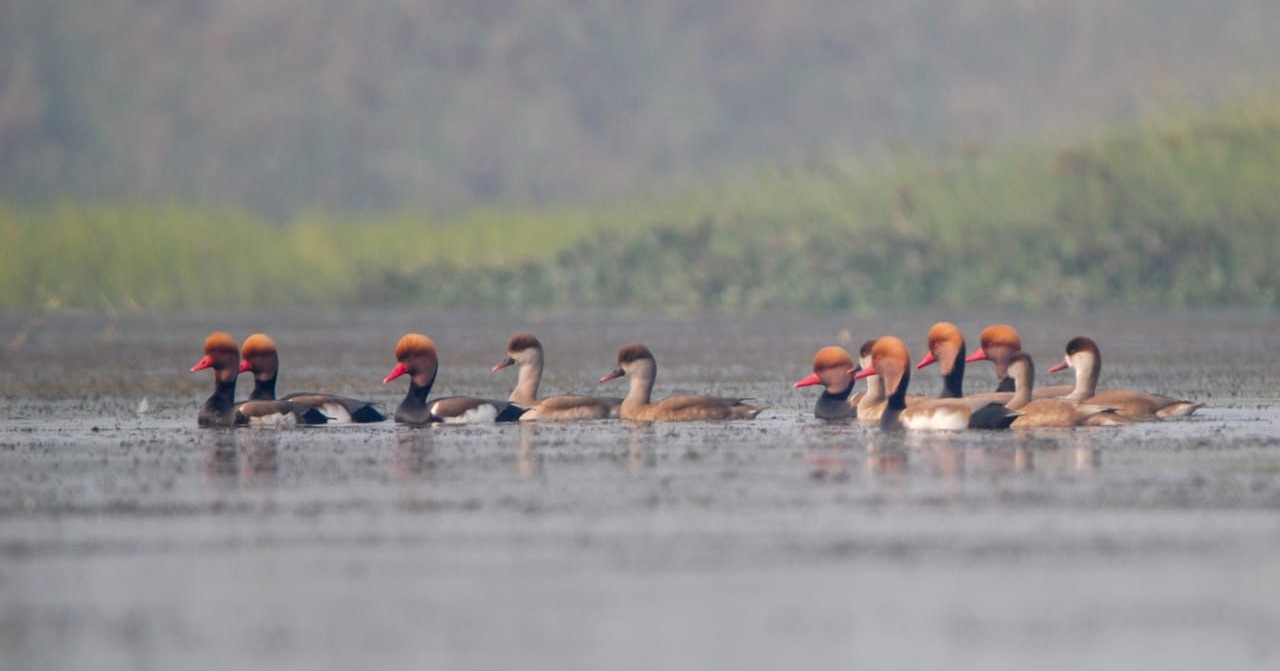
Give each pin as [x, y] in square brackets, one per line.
[137, 541]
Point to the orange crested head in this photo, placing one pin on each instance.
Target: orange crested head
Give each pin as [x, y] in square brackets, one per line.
[890, 348]
[832, 357]
[414, 344]
[219, 342]
[1001, 335]
[258, 343]
[944, 332]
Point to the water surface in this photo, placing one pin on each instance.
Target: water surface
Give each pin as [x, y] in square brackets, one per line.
[137, 541]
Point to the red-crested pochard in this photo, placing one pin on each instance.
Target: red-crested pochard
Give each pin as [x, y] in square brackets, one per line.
[416, 357]
[947, 347]
[1052, 412]
[222, 354]
[1083, 355]
[891, 360]
[525, 351]
[999, 343]
[831, 366]
[635, 360]
[260, 357]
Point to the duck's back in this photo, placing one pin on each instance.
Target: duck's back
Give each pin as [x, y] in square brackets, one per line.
[569, 407]
[339, 408]
[693, 408]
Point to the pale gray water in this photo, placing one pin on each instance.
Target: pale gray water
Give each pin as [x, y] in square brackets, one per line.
[139, 542]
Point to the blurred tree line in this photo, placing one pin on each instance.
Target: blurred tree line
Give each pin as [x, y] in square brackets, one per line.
[276, 106]
[1184, 212]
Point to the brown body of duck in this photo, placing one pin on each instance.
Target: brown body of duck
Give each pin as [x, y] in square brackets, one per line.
[999, 342]
[831, 369]
[891, 360]
[1052, 412]
[1084, 356]
[260, 357]
[524, 350]
[637, 362]
[416, 357]
[222, 354]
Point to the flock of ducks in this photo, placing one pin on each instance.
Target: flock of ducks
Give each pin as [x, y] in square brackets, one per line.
[884, 363]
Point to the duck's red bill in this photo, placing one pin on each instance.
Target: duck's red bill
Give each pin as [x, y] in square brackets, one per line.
[1058, 367]
[865, 372]
[928, 359]
[396, 372]
[976, 356]
[808, 381]
[202, 364]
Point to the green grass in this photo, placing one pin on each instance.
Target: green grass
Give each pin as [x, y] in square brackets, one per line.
[1179, 212]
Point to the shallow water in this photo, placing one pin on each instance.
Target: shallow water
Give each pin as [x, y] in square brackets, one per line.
[137, 541]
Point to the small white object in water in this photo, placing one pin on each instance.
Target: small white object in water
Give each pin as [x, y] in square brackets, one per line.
[144, 406]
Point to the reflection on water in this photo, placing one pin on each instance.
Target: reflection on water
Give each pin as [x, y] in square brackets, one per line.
[641, 448]
[221, 454]
[951, 457]
[260, 460]
[528, 460]
[887, 457]
[413, 456]
[240, 456]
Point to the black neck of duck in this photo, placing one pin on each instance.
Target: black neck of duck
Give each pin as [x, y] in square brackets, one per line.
[953, 382]
[220, 406]
[414, 404]
[898, 399]
[837, 395]
[1006, 384]
[897, 402]
[264, 390]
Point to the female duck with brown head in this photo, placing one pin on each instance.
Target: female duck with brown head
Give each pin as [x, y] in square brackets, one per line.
[891, 360]
[525, 351]
[260, 357]
[416, 357]
[637, 361]
[831, 369]
[1052, 412]
[1083, 355]
[221, 353]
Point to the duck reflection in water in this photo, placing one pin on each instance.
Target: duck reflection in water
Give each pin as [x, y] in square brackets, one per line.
[248, 457]
[887, 457]
[414, 454]
[260, 458]
[528, 460]
[221, 454]
[640, 447]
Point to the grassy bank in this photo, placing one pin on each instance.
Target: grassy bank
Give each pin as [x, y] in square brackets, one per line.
[1179, 213]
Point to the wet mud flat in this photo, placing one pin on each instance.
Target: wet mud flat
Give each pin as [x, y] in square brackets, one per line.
[133, 540]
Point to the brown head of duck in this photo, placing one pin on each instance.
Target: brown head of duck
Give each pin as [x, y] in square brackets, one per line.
[524, 350]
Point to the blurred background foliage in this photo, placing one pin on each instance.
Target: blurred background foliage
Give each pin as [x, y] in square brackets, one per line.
[740, 154]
